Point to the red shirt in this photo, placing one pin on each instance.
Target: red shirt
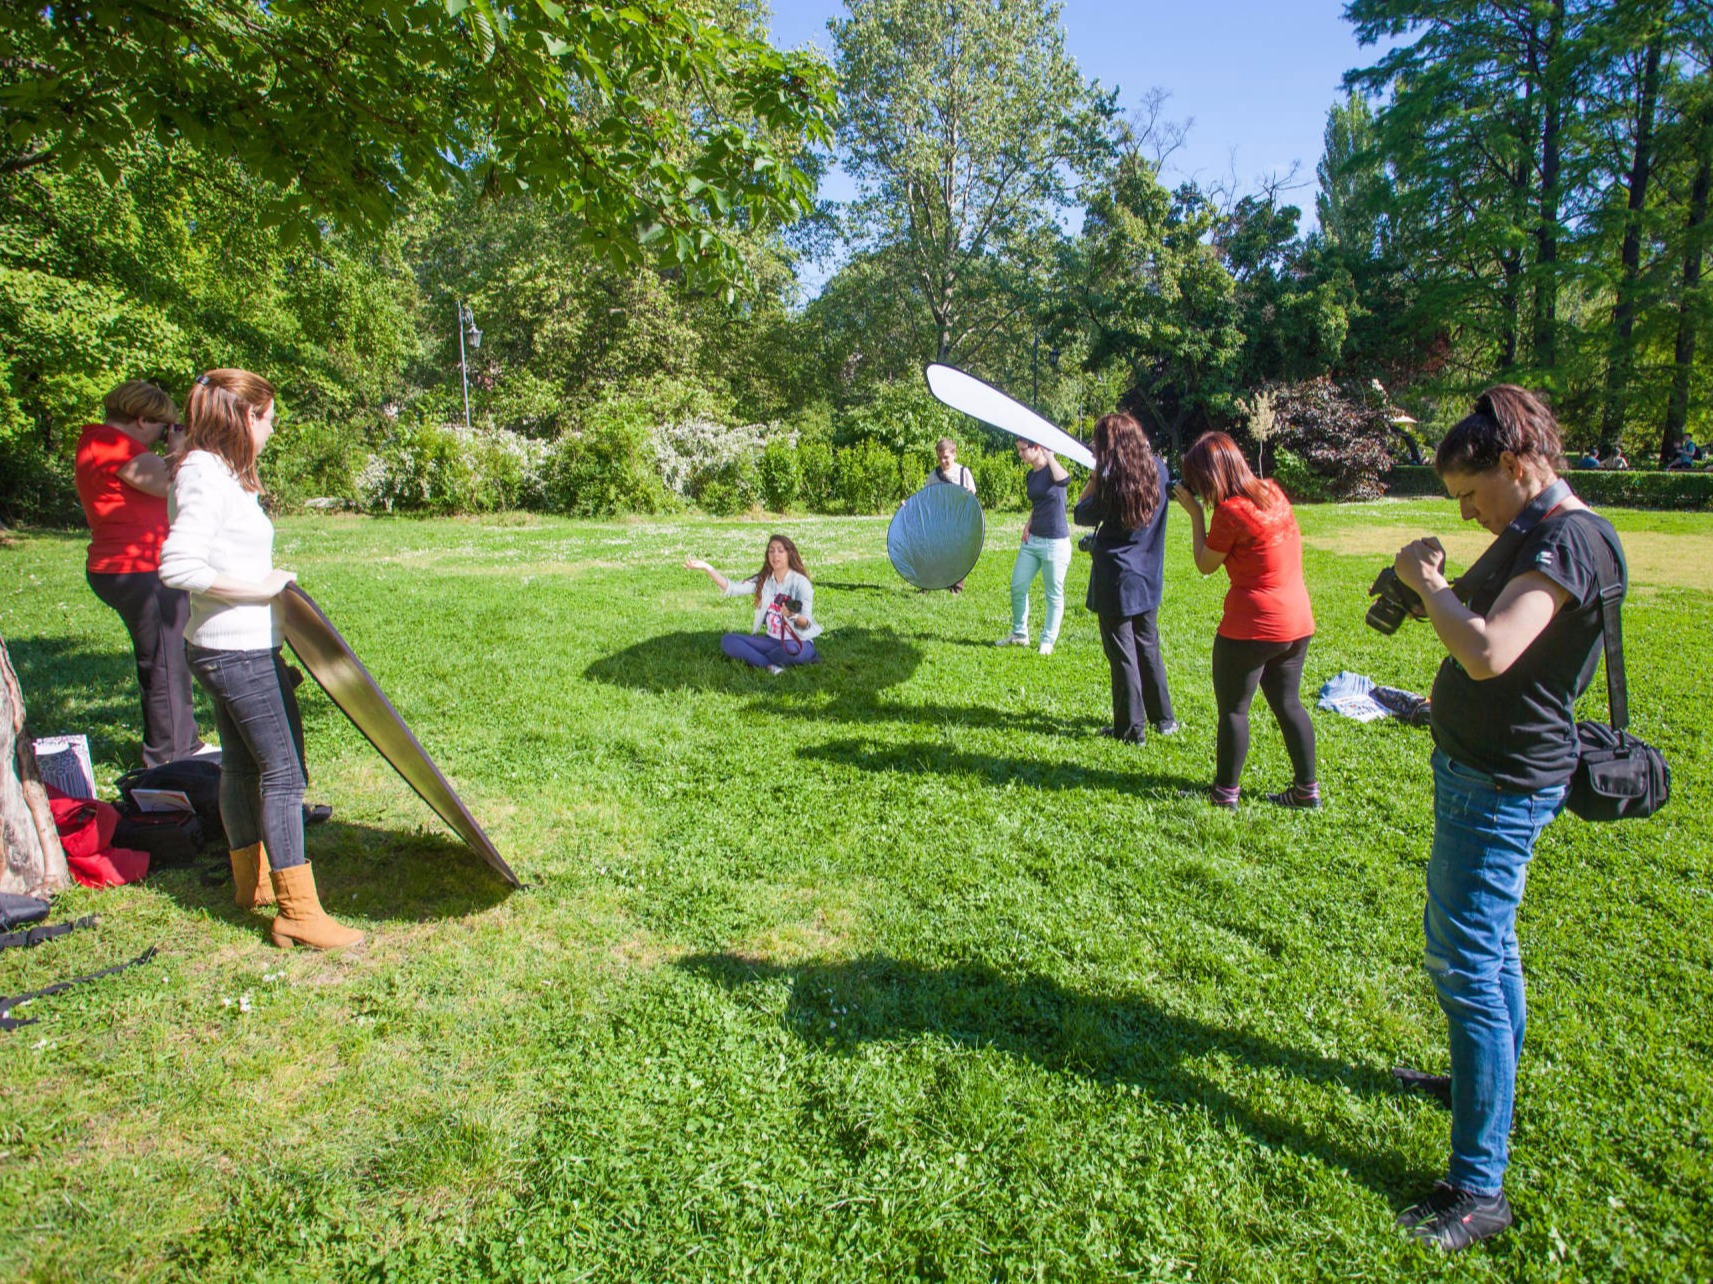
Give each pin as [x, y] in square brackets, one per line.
[1267, 601]
[127, 524]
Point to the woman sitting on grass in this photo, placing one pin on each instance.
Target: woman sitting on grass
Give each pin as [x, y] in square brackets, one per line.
[1263, 638]
[784, 600]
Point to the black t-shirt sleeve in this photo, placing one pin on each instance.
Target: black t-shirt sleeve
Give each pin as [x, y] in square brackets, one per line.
[1567, 554]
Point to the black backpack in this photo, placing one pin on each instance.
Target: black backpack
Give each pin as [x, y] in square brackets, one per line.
[197, 778]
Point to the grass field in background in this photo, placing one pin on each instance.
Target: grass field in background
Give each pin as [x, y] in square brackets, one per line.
[889, 967]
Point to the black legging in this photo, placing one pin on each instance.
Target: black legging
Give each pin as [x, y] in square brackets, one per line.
[1278, 668]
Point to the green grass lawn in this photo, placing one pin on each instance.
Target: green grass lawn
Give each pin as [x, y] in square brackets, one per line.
[885, 968]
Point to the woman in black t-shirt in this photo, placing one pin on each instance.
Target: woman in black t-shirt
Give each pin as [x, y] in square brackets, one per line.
[1523, 645]
[1046, 547]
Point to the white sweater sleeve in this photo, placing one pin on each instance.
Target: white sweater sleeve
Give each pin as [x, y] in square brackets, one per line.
[741, 588]
[198, 503]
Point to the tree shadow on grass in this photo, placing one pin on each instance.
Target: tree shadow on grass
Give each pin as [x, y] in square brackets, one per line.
[839, 1006]
[938, 759]
[856, 667]
[361, 873]
[78, 688]
[854, 663]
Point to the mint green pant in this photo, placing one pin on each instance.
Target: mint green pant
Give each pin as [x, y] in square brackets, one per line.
[1051, 558]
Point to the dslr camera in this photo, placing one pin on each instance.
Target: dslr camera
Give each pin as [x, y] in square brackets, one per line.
[1393, 601]
[1086, 543]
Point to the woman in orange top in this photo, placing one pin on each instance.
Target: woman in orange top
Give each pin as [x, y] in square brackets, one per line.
[123, 485]
[1263, 638]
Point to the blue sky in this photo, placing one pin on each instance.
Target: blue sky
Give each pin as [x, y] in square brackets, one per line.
[1255, 77]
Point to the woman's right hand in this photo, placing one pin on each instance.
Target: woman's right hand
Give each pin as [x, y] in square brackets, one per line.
[275, 584]
[696, 564]
[1186, 498]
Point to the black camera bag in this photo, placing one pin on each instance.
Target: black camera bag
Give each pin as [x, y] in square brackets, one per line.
[171, 838]
[1618, 777]
[197, 778]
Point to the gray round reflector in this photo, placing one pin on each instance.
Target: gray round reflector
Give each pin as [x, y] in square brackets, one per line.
[935, 539]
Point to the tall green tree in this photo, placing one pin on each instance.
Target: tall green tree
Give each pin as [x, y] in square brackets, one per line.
[1147, 289]
[348, 109]
[1482, 103]
[1694, 307]
[966, 126]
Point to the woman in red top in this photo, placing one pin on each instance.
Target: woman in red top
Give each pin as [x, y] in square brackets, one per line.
[1264, 636]
[123, 485]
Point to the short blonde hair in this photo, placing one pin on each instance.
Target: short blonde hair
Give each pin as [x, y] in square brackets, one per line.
[138, 399]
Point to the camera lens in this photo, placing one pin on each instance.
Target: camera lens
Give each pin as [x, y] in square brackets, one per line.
[1385, 615]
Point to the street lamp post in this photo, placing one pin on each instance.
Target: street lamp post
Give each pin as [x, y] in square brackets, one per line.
[466, 326]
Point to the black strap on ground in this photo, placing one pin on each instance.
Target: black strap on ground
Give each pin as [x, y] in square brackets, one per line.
[46, 932]
[10, 1022]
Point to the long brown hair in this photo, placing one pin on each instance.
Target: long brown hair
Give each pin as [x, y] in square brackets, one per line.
[1215, 469]
[1129, 479]
[793, 559]
[217, 419]
[1506, 417]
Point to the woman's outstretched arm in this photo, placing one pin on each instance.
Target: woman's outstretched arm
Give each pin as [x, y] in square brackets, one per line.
[697, 564]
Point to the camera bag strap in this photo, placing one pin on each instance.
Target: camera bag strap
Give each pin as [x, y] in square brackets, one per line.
[45, 932]
[1612, 637]
[10, 1022]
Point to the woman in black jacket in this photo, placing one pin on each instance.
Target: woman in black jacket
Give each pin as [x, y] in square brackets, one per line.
[1125, 502]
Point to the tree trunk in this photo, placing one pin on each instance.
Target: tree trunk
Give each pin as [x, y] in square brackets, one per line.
[1677, 409]
[1545, 337]
[1624, 310]
[35, 863]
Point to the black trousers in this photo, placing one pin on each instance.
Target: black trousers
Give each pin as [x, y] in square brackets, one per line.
[155, 616]
[1139, 694]
[1277, 667]
[261, 749]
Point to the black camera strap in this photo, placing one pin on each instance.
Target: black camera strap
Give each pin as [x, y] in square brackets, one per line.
[1502, 552]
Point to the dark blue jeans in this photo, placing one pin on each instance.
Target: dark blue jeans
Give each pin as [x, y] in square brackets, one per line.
[1483, 837]
[261, 738]
[759, 650]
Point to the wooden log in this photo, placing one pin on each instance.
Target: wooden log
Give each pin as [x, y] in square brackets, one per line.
[34, 861]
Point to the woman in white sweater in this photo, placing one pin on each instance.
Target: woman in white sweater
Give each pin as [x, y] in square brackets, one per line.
[784, 627]
[220, 549]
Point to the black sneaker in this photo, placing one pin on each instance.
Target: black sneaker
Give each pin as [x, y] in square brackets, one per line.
[1453, 1219]
[1296, 800]
[1437, 1086]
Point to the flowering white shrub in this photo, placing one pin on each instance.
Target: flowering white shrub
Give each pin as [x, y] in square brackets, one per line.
[698, 446]
[442, 468]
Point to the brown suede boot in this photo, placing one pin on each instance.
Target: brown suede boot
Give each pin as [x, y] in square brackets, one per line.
[251, 888]
[301, 919]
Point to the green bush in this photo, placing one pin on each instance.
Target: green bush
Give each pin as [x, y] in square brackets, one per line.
[868, 478]
[781, 476]
[820, 478]
[1301, 484]
[904, 417]
[605, 469]
[727, 488]
[36, 487]
[1634, 488]
[310, 459]
[417, 469]
[1000, 479]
